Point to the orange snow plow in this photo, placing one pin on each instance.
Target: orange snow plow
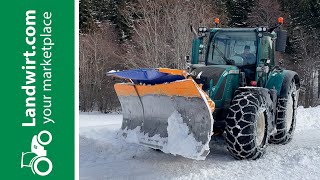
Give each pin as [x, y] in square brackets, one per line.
[163, 109]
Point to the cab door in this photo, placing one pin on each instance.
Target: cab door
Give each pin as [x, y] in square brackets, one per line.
[266, 60]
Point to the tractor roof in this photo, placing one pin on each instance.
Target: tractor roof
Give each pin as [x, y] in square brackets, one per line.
[256, 29]
[233, 29]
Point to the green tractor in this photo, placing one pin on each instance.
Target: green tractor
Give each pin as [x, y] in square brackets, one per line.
[238, 92]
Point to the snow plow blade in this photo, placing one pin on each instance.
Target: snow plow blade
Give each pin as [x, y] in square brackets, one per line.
[174, 117]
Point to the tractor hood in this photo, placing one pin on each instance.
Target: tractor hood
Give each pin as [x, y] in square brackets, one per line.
[218, 81]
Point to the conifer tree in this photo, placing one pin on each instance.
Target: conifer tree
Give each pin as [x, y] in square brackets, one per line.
[116, 16]
[85, 15]
[239, 10]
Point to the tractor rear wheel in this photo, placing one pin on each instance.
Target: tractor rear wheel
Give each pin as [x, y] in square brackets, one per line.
[247, 126]
[286, 116]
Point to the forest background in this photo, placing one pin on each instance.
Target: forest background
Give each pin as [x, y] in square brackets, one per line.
[126, 34]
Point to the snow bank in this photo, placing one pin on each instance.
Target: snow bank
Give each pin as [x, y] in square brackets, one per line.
[308, 118]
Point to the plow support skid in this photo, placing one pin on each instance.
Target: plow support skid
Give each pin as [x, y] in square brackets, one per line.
[174, 117]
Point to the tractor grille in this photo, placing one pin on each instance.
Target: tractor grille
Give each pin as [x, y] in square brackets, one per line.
[208, 73]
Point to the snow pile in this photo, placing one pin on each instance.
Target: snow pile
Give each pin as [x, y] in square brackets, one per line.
[135, 136]
[112, 71]
[180, 141]
[132, 136]
[308, 118]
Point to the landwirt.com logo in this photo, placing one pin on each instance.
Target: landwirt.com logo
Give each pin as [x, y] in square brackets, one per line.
[38, 58]
[37, 159]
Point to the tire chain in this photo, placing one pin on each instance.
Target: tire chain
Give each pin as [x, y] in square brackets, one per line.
[281, 136]
[236, 129]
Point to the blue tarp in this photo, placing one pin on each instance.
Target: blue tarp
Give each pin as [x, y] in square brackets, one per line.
[147, 76]
[139, 74]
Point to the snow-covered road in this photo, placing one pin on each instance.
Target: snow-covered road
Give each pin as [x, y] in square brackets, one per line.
[103, 155]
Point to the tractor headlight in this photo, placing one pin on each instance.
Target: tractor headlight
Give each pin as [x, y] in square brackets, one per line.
[262, 29]
[202, 29]
[193, 73]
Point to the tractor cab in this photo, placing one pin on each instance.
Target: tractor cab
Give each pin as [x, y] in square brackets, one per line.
[237, 48]
[233, 58]
[249, 49]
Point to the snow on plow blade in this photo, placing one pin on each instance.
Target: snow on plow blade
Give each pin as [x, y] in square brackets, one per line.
[174, 117]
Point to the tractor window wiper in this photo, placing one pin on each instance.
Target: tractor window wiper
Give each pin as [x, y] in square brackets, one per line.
[222, 55]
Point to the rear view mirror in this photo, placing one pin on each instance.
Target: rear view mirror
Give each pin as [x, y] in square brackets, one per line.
[187, 58]
[281, 40]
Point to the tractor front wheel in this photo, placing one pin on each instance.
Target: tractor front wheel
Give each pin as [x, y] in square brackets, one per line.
[247, 126]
